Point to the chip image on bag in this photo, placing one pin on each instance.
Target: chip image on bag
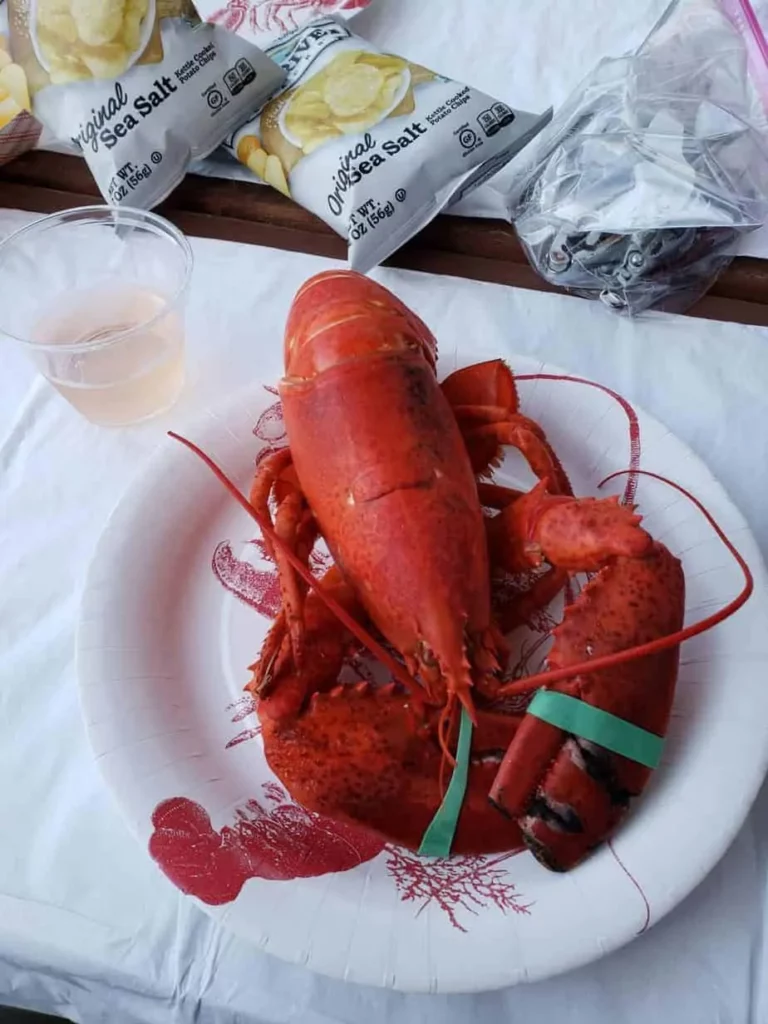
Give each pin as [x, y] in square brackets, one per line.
[75, 40]
[61, 41]
[14, 89]
[372, 143]
[355, 92]
[141, 87]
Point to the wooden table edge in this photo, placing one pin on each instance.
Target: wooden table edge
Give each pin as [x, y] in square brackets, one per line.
[478, 249]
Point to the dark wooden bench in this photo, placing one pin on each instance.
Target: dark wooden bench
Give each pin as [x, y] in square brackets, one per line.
[485, 250]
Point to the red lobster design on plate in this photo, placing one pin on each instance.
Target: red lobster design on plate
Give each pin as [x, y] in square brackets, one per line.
[418, 534]
[277, 15]
[277, 840]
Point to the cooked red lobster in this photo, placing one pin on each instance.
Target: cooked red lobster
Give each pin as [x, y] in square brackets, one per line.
[390, 469]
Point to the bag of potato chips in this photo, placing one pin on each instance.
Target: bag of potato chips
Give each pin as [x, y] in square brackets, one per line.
[141, 86]
[372, 143]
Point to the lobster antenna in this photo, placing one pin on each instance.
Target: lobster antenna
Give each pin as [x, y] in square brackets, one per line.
[341, 613]
[662, 643]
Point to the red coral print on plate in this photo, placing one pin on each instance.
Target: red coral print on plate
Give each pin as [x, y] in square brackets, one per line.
[244, 707]
[279, 843]
[460, 883]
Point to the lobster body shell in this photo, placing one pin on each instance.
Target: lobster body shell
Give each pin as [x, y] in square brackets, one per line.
[407, 475]
[384, 468]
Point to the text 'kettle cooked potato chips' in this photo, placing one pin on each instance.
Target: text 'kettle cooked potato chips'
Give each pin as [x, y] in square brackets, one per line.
[140, 86]
[371, 142]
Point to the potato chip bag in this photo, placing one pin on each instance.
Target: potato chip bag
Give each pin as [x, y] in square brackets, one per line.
[142, 87]
[371, 142]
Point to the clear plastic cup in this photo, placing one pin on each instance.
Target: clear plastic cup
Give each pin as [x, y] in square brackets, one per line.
[96, 297]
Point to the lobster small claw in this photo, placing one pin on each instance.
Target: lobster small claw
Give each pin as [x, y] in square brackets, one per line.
[575, 534]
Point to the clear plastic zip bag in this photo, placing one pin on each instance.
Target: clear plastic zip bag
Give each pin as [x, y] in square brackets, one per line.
[638, 191]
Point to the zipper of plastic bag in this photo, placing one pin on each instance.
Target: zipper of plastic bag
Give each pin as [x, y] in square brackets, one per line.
[742, 16]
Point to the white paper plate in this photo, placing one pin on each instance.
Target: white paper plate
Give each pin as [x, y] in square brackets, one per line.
[162, 653]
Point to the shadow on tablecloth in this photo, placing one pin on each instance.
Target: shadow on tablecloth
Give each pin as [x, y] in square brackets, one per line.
[11, 1016]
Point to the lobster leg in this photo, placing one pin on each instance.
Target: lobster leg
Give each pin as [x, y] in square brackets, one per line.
[521, 610]
[282, 686]
[276, 647]
[574, 534]
[294, 524]
[486, 406]
[286, 636]
[264, 480]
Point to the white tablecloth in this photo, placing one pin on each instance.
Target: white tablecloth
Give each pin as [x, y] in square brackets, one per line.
[530, 53]
[88, 925]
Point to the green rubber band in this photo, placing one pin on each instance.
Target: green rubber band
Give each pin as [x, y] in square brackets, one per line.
[590, 723]
[437, 840]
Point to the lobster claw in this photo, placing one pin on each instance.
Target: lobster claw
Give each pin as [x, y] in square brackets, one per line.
[566, 793]
[575, 534]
